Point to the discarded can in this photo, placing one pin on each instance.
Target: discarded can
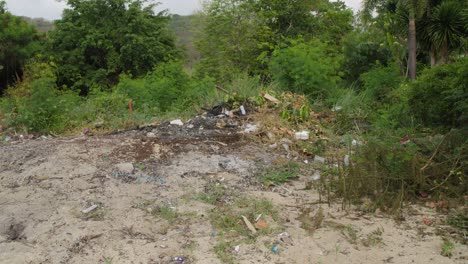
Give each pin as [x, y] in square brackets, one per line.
[179, 259]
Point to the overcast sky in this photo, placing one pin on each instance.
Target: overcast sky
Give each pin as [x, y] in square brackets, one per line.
[52, 9]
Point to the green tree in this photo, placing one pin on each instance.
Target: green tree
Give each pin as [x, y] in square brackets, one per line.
[240, 35]
[18, 43]
[97, 40]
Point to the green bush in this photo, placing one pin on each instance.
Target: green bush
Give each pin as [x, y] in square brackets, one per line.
[306, 67]
[43, 110]
[380, 81]
[439, 96]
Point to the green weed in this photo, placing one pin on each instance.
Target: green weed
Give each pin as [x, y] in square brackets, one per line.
[280, 173]
[447, 248]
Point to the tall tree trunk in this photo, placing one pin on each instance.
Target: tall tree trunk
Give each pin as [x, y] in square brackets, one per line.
[412, 48]
[432, 53]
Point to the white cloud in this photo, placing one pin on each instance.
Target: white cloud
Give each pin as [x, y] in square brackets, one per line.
[52, 9]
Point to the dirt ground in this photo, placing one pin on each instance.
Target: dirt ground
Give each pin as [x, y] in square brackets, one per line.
[150, 198]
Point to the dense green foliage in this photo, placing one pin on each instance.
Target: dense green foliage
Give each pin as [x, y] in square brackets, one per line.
[306, 67]
[18, 43]
[440, 95]
[98, 40]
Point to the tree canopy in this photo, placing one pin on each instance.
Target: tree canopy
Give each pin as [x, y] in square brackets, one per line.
[18, 42]
[97, 40]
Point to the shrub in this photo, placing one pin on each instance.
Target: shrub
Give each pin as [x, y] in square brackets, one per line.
[380, 81]
[439, 96]
[308, 68]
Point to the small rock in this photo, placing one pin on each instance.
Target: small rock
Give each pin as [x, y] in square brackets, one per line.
[270, 135]
[151, 134]
[286, 147]
[99, 124]
[177, 122]
[125, 167]
[319, 159]
[273, 146]
[190, 126]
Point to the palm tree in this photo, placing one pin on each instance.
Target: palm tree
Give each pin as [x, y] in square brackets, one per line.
[447, 29]
[415, 9]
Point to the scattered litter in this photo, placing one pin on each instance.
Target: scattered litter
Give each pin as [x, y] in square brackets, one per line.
[355, 142]
[237, 248]
[271, 98]
[125, 167]
[306, 161]
[242, 109]
[258, 217]
[179, 259]
[316, 176]
[275, 249]
[250, 128]
[405, 141]
[346, 160]
[261, 224]
[304, 135]
[319, 159]
[249, 225]
[90, 209]
[337, 108]
[177, 122]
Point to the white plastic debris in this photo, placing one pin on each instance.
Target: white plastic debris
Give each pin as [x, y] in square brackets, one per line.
[237, 248]
[316, 176]
[242, 109]
[346, 160]
[89, 209]
[319, 159]
[304, 135]
[250, 128]
[337, 108]
[177, 122]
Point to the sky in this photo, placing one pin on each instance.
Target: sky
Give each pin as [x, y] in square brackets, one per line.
[52, 9]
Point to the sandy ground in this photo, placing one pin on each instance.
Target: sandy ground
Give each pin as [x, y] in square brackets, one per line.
[45, 184]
